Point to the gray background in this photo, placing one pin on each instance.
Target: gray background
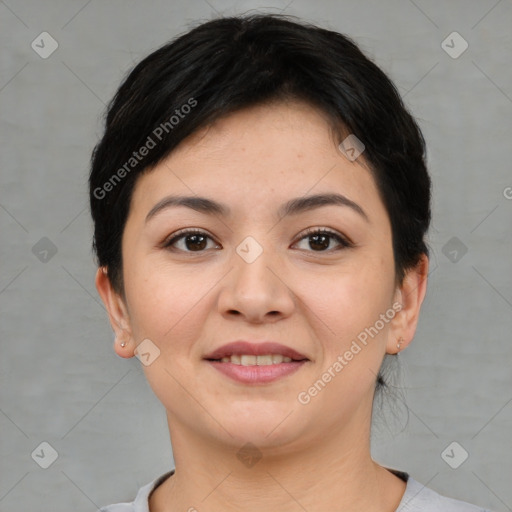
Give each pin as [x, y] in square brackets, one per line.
[60, 380]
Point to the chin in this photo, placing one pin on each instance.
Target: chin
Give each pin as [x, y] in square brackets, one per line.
[262, 423]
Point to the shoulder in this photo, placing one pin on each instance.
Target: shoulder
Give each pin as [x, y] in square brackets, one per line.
[118, 507]
[141, 502]
[419, 498]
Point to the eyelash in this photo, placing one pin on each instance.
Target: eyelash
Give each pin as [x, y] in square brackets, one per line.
[344, 242]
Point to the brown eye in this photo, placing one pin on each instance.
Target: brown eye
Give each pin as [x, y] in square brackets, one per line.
[195, 242]
[189, 241]
[319, 240]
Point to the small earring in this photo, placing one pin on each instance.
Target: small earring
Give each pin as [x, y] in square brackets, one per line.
[123, 344]
[400, 341]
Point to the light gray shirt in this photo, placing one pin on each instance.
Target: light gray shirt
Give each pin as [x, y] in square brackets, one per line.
[417, 498]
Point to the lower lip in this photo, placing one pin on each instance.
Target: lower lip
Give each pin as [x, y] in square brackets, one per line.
[257, 374]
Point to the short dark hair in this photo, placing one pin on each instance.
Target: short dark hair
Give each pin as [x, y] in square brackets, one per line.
[229, 63]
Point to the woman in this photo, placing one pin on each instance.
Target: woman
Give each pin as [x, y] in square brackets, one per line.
[260, 202]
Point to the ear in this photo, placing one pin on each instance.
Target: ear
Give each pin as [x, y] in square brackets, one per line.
[117, 312]
[409, 295]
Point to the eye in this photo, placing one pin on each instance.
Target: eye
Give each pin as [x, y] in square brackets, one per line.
[320, 240]
[195, 240]
[191, 240]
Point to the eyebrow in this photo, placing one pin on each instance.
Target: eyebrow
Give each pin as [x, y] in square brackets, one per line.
[291, 207]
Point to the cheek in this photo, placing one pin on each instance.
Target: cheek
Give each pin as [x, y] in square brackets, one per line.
[166, 302]
[169, 307]
[349, 301]
[352, 350]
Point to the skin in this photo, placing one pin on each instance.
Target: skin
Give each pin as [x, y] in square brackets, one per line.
[315, 456]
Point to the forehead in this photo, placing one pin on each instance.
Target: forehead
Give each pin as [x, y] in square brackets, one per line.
[260, 155]
[254, 130]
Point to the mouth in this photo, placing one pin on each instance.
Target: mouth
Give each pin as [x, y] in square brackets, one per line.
[249, 353]
[252, 360]
[256, 363]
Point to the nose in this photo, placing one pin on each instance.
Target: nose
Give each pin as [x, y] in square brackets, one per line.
[256, 290]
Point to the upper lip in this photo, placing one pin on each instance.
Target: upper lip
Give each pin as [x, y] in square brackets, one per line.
[255, 349]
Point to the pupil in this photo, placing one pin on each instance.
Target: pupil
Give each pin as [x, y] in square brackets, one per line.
[322, 244]
[198, 242]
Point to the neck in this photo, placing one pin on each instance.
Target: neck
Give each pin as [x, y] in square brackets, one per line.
[332, 473]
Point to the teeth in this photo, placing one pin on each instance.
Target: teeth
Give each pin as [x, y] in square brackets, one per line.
[249, 360]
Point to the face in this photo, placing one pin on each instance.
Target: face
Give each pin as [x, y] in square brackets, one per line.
[315, 278]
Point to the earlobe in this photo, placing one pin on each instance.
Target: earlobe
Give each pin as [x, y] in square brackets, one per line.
[410, 295]
[117, 312]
